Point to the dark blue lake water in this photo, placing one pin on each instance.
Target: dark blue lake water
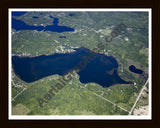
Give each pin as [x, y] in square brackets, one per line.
[35, 17]
[97, 68]
[21, 25]
[133, 69]
[71, 14]
[18, 13]
[51, 16]
[62, 37]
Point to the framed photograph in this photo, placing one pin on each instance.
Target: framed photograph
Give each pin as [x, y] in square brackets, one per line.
[80, 64]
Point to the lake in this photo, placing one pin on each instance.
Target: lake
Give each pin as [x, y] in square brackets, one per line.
[35, 17]
[18, 13]
[62, 37]
[21, 25]
[94, 67]
[133, 69]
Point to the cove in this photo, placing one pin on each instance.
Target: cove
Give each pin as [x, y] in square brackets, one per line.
[21, 25]
[100, 69]
[133, 69]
